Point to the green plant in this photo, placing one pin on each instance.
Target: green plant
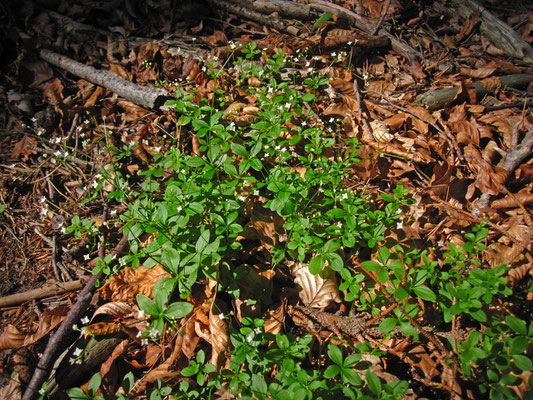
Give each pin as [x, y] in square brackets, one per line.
[195, 206]
[94, 385]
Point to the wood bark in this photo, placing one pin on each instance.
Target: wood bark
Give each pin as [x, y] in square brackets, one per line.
[144, 96]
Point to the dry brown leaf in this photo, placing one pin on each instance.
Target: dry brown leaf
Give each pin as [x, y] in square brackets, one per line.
[11, 338]
[163, 370]
[274, 323]
[317, 291]
[116, 309]
[102, 328]
[513, 201]
[267, 224]
[129, 282]
[49, 320]
[190, 339]
[23, 147]
[219, 337]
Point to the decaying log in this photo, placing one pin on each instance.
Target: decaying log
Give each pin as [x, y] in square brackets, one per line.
[144, 96]
[245, 12]
[438, 98]
[501, 34]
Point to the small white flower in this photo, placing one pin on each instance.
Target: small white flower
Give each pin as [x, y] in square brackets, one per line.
[304, 123]
[399, 225]
[77, 352]
[86, 122]
[79, 128]
[72, 360]
[333, 54]
[339, 224]
[278, 148]
[122, 262]
[44, 212]
[139, 334]
[349, 43]
[95, 184]
[85, 321]
[154, 333]
[242, 198]
[144, 342]
[40, 132]
[221, 316]
[145, 142]
[257, 331]
[53, 160]
[113, 212]
[204, 68]
[43, 199]
[140, 315]
[256, 192]
[34, 119]
[344, 196]
[231, 126]
[63, 230]
[287, 105]
[86, 257]
[232, 44]
[440, 243]
[157, 149]
[178, 208]
[75, 327]
[270, 89]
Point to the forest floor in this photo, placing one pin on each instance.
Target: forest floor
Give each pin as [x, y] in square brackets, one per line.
[350, 192]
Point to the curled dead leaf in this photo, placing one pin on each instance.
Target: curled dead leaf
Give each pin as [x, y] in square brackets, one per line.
[317, 291]
[129, 282]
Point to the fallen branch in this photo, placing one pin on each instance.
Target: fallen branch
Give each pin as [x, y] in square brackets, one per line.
[438, 98]
[57, 340]
[46, 291]
[144, 96]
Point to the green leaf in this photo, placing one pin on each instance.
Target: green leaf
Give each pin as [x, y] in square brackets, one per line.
[332, 245]
[332, 371]
[316, 265]
[519, 344]
[323, 18]
[259, 387]
[371, 265]
[78, 394]
[387, 325]
[170, 259]
[383, 275]
[202, 241]
[147, 305]
[95, 382]
[239, 149]
[178, 310]
[335, 354]
[425, 293]
[351, 376]
[195, 161]
[374, 384]
[523, 362]
[335, 262]
[308, 97]
[516, 324]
